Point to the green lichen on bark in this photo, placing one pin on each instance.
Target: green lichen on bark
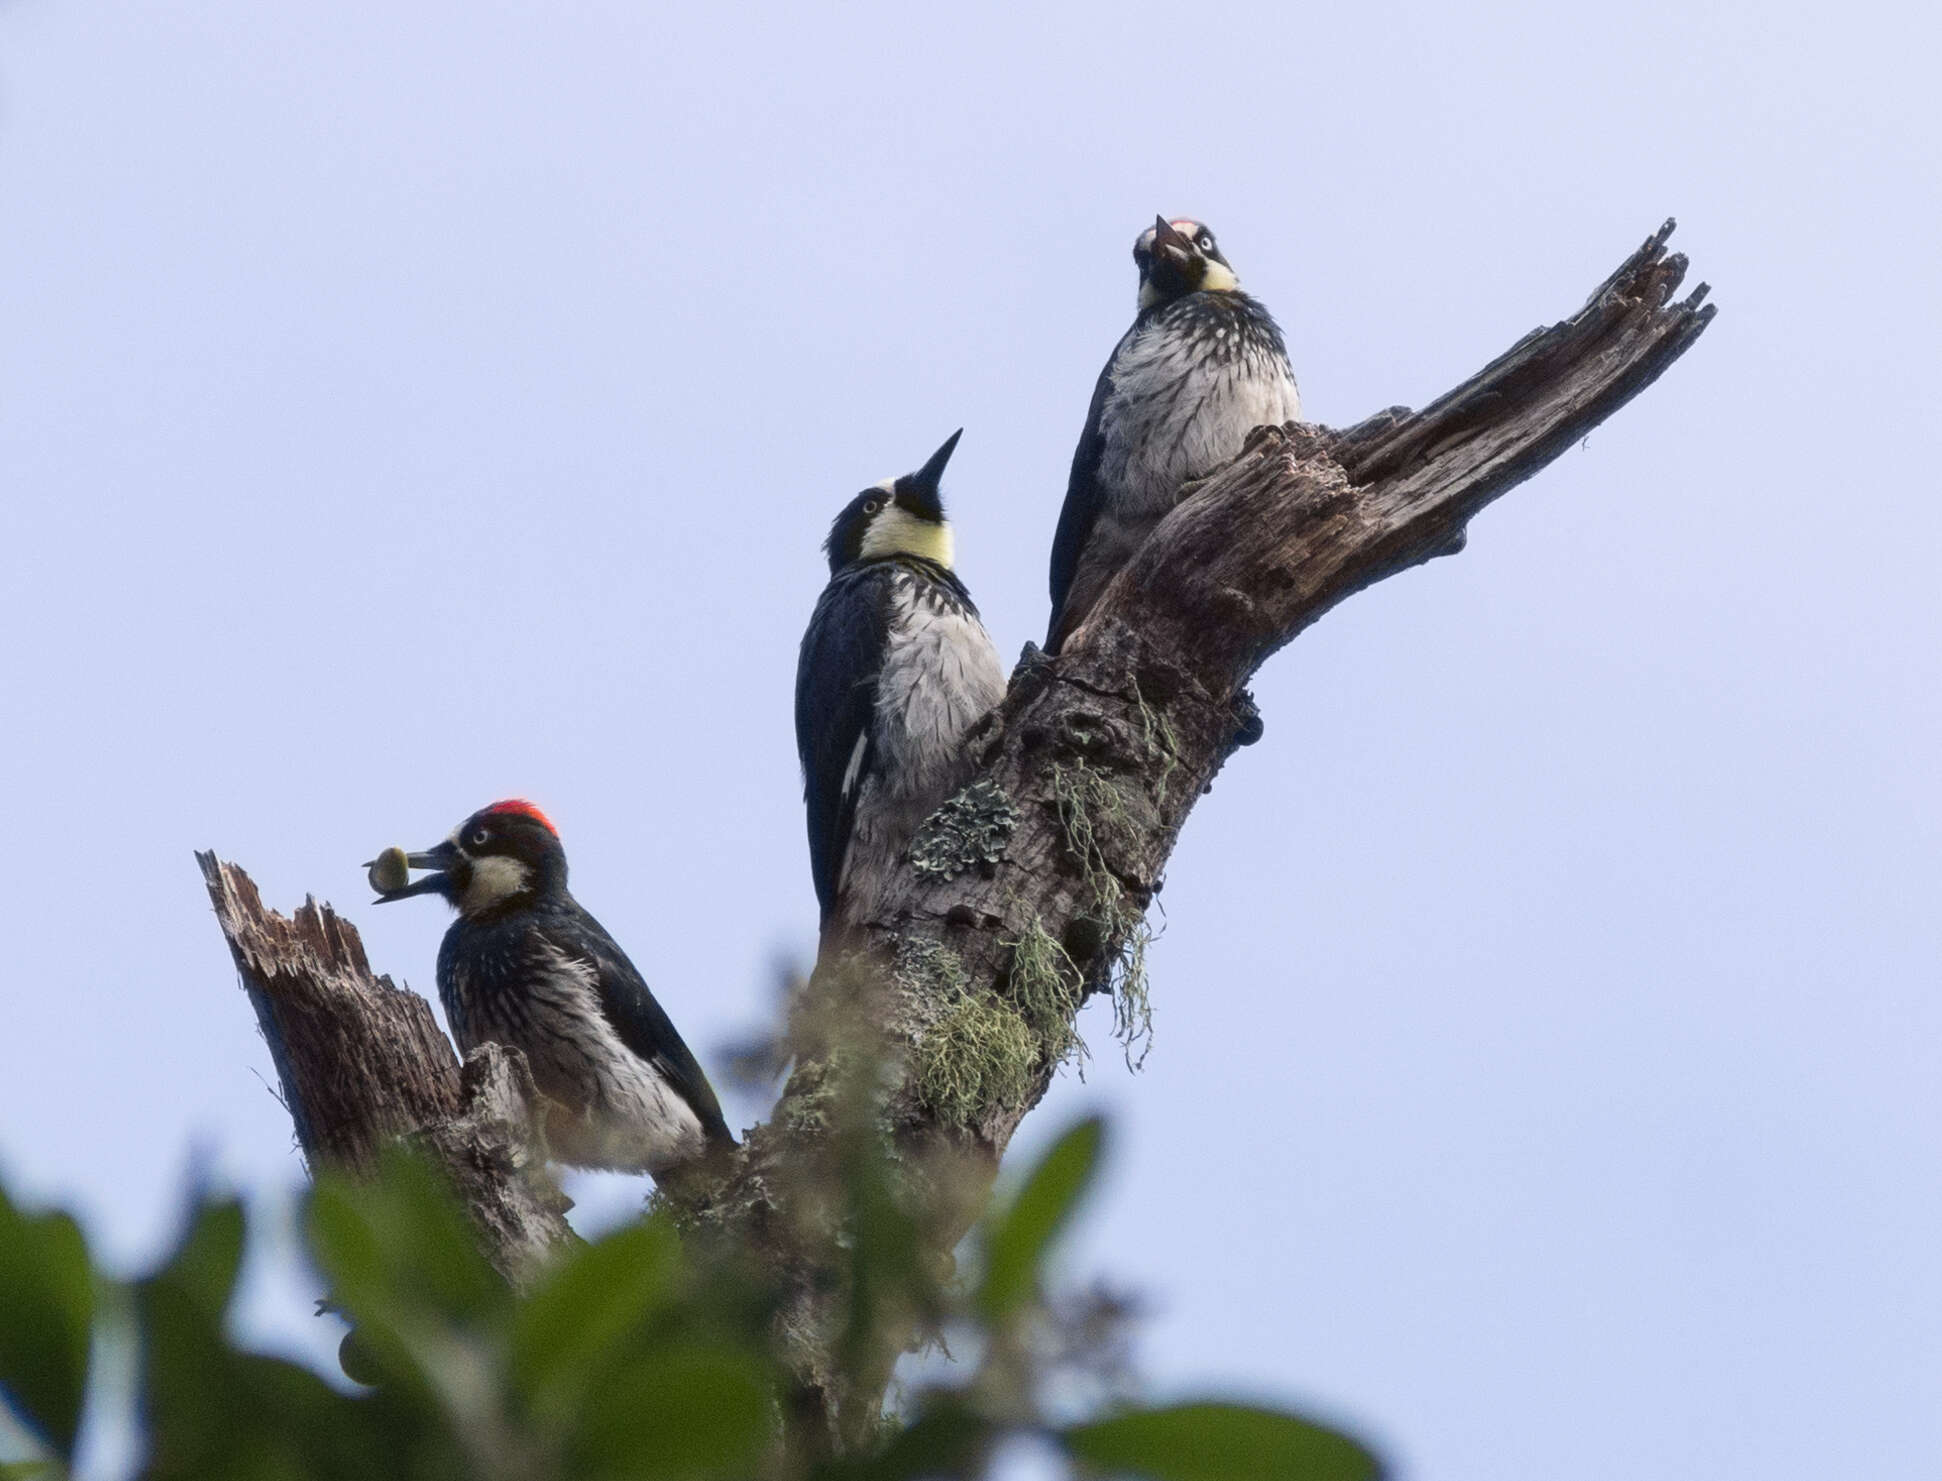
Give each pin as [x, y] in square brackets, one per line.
[814, 1095]
[928, 968]
[969, 832]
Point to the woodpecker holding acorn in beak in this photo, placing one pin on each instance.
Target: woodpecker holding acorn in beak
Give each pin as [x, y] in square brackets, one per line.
[1202, 366]
[895, 669]
[524, 965]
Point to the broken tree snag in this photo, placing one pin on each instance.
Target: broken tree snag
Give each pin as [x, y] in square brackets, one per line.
[1100, 754]
[361, 1063]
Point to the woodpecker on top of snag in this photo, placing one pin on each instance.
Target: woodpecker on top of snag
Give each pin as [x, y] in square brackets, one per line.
[895, 669]
[524, 965]
[1202, 366]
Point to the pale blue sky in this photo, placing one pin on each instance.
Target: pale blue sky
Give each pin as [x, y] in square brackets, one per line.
[406, 405]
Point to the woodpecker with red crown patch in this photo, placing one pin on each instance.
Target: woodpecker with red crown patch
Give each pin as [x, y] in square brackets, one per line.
[895, 669]
[1202, 366]
[525, 965]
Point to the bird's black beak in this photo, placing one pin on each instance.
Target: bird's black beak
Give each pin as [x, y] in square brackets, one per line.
[388, 876]
[1177, 248]
[931, 476]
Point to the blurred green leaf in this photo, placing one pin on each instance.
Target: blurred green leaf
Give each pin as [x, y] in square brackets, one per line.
[947, 1439]
[185, 1399]
[697, 1413]
[589, 1302]
[213, 1412]
[209, 1257]
[398, 1246]
[344, 1244]
[887, 1286]
[311, 1430]
[431, 1315]
[1017, 1239]
[1219, 1442]
[46, 1320]
[191, 1407]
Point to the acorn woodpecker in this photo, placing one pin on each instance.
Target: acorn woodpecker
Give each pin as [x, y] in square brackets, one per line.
[1202, 366]
[895, 669]
[525, 965]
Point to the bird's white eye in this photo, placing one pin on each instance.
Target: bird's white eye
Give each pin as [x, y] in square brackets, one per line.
[479, 837]
[873, 506]
[1206, 241]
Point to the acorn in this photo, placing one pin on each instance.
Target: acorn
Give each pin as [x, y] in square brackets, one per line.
[389, 871]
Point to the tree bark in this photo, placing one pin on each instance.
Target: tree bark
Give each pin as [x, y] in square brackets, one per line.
[362, 1063]
[1028, 891]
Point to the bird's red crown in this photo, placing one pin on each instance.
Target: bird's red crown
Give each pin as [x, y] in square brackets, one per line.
[521, 807]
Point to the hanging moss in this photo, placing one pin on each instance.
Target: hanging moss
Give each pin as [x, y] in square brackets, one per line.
[1046, 986]
[1089, 802]
[1161, 741]
[972, 1052]
[975, 1056]
[1132, 1008]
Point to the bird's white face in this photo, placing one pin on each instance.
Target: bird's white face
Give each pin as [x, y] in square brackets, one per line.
[896, 531]
[493, 881]
[490, 879]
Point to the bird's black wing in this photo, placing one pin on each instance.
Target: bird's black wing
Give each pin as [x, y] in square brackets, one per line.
[1083, 497]
[640, 1020]
[836, 698]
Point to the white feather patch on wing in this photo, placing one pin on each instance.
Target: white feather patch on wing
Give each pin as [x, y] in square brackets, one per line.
[856, 763]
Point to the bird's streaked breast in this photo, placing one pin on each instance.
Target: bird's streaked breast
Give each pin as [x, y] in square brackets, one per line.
[940, 676]
[614, 1108]
[1187, 388]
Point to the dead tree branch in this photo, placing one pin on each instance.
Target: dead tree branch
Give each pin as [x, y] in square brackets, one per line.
[362, 1063]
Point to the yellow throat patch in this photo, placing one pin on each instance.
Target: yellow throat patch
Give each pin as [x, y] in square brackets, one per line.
[899, 532]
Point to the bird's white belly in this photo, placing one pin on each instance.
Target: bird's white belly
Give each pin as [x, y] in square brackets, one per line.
[940, 677]
[633, 1121]
[610, 1108]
